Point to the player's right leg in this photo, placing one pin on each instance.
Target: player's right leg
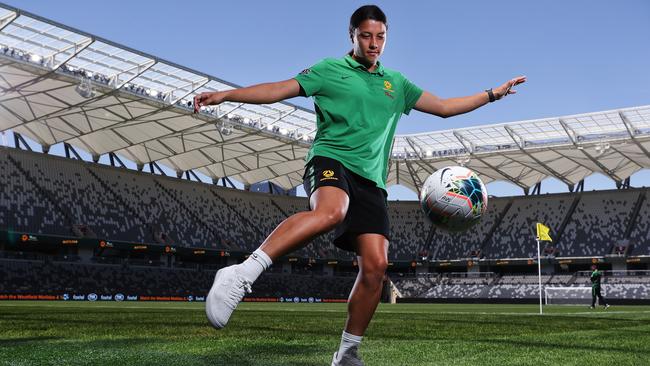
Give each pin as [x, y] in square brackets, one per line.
[329, 207]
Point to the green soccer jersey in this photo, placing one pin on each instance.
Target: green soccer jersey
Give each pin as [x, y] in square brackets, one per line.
[595, 278]
[356, 113]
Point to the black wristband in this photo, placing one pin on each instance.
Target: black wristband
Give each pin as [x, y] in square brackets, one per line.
[490, 95]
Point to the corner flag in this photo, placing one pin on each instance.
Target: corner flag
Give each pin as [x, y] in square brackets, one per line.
[542, 232]
[542, 235]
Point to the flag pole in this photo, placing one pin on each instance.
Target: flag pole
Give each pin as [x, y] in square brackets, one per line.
[539, 276]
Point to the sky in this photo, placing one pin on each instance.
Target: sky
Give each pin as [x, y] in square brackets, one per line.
[579, 56]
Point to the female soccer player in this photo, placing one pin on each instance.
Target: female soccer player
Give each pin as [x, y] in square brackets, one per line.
[595, 278]
[358, 103]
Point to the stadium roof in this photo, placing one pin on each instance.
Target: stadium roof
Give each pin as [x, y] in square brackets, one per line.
[63, 85]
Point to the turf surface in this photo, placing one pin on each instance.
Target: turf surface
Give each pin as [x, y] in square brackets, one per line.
[103, 333]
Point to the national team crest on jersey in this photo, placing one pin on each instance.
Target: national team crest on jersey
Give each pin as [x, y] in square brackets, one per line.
[388, 89]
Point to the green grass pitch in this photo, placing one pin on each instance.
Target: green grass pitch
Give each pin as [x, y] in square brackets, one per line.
[103, 333]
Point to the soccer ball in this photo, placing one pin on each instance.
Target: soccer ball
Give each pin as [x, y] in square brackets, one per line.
[453, 198]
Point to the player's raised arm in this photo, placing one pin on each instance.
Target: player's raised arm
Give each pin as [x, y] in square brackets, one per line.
[429, 103]
[257, 94]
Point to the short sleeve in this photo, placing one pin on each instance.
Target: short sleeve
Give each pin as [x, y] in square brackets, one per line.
[412, 94]
[311, 79]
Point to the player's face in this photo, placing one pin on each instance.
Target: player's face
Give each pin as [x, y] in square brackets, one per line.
[369, 40]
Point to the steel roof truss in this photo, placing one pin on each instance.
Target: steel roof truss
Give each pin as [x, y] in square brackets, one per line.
[573, 136]
[630, 130]
[521, 143]
[78, 48]
[7, 19]
[469, 146]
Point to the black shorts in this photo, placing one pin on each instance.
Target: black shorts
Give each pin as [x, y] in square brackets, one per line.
[367, 212]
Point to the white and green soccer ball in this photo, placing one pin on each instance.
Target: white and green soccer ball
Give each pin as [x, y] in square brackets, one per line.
[454, 198]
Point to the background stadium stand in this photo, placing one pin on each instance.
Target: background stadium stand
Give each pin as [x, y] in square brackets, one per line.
[467, 286]
[56, 278]
[46, 194]
[600, 219]
[514, 238]
[640, 231]
[469, 243]
[24, 206]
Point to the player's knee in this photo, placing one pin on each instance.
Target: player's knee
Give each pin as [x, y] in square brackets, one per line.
[330, 218]
[373, 272]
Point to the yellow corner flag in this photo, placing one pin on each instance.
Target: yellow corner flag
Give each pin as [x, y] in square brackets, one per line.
[542, 232]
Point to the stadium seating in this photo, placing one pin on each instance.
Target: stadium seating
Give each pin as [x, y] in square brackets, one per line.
[23, 206]
[157, 211]
[81, 197]
[409, 230]
[454, 285]
[640, 236]
[515, 236]
[46, 194]
[624, 286]
[56, 278]
[597, 224]
[448, 245]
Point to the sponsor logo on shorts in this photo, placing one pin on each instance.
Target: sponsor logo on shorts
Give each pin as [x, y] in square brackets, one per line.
[328, 175]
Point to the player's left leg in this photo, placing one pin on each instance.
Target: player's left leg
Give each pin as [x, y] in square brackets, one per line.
[601, 299]
[593, 298]
[372, 257]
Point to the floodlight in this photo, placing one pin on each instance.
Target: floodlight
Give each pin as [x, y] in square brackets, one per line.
[85, 89]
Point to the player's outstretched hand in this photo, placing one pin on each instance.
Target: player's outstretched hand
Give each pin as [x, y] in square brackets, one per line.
[506, 88]
[207, 98]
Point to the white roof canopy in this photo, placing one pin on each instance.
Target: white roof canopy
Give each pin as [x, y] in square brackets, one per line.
[569, 148]
[58, 84]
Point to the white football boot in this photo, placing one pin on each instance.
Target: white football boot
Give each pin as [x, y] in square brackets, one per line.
[349, 358]
[228, 289]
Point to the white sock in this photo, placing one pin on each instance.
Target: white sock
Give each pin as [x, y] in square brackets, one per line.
[254, 265]
[348, 342]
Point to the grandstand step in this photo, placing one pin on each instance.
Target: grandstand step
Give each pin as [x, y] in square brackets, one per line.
[496, 225]
[567, 218]
[634, 215]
